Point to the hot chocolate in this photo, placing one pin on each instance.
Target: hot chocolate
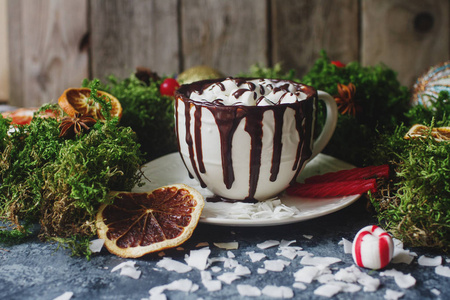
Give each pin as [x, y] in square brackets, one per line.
[246, 139]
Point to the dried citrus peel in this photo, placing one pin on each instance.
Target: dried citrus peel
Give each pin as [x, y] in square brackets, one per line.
[136, 224]
[77, 100]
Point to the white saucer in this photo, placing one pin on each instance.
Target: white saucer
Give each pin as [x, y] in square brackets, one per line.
[170, 169]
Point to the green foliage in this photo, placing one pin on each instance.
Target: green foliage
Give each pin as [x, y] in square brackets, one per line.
[381, 100]
[147, 112]
[274, 72]
[60, 183]
[415, 204]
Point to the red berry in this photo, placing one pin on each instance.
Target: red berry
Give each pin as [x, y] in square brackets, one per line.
[338, 64]
[169, 86]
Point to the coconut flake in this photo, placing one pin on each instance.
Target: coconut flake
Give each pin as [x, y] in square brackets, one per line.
[227, 246]
[228, 277]
[307, 236]
[96, 245]
[402, 280]
[402, 256]
[316, 261]
[369, 283]
[173, 265]
[443, 271]
[347, 245]
[393, 295]
[261, 271]
[255, 257]
[275, 265]
[430, 261]
[288, 252]
[246, 290]
[184, 285]
[268, 244]
[299, 285]
[127, 269]
[230, 263]
[435, 291]
[65, 296]
[278, 291]
[242, 270]
[216, 269]
[327, 290]
[212, 285]
[198, 258]
[285, 243]
[306, 274]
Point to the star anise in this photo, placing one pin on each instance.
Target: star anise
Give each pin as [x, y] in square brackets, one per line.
[72, 126]
[346, 99]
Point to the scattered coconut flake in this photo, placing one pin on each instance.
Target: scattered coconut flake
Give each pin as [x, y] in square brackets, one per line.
[230, 263]
[402, 280]
[184, 285]
[369, 283]
[228, 277]
[436, 292]
[325, 278]
[288, 252]
[327, 290]
[261, 271]
[199, 258]
[230, 254]
[157, 297]
[212, 285]
[393, 295]
[127, 269]
[430, 261]
[96, 245]
[316, 261]
[254, 256]
[205, 275]
[347, 245]
[402, 256]
[269, 209]
[347, 275]
[285, 243]
[268, 244]
[246, 290]
[202, 244]
[275, 265]
[347, 287]
[306, 274]
[216, 269]
[278, 291]
[173, 265]
[299, 285]
[307, 236]
[242, 270]
[227, 246]
[443, 271]
[65, 296]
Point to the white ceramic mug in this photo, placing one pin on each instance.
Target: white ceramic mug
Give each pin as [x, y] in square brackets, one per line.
[248, 153]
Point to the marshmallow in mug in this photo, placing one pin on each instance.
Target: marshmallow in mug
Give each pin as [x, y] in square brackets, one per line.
[256, 92]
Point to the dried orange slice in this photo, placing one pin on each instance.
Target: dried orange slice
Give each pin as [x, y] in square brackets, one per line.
[136, 224]
[77, 100]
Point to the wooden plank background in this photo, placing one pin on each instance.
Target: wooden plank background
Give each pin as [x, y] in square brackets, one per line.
[54, 44]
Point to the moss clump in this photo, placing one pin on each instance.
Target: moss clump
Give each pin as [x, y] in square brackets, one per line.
[60, 183]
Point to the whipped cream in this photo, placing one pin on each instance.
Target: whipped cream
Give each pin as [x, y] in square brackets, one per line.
[252, 92]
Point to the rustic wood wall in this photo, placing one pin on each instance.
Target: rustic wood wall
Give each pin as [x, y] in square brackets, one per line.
[54, 44]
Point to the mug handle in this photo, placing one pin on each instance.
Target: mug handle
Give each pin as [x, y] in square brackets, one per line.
[329, 126]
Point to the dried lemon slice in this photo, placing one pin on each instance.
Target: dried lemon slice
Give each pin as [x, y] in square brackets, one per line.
[77, 100]
[136, 224]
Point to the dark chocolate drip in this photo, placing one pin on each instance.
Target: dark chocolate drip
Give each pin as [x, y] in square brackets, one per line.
[227, 120]
[253, 126]
[251, 86]
[198, 137]
[278, 115]
[216, 198]
[299, 118]
[178, 135]
[238, 93]
[222, 86]
[189, 142]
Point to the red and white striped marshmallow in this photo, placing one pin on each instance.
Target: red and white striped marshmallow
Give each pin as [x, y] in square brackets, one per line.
[372, 248]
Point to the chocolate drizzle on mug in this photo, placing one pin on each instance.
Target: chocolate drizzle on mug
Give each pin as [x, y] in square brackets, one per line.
[228, 118]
